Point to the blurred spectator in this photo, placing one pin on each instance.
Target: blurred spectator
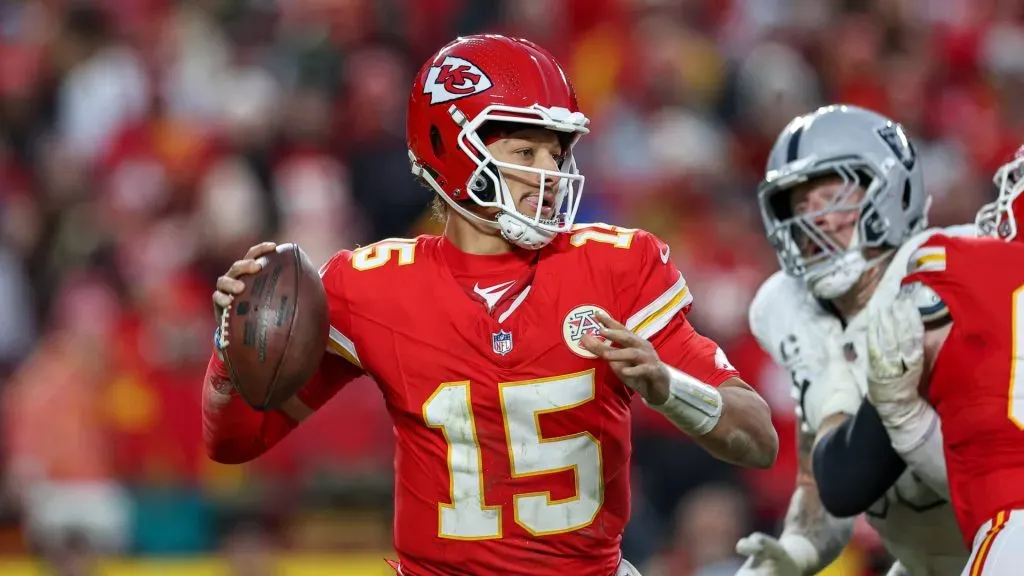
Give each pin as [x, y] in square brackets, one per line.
[145, 145]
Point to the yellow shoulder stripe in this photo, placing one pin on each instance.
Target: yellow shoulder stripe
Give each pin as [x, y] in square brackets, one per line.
[650, 319]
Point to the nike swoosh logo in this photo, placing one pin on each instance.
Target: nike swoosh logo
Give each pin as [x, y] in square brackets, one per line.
[491, 289]
[492, 294]
[664, 254]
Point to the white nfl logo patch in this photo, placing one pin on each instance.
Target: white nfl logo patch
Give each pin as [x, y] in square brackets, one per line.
[455, 78]
[502, 342]
[579, 322]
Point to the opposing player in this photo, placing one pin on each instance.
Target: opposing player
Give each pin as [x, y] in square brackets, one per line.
[844, 207]
[497, 346]
[954, 331]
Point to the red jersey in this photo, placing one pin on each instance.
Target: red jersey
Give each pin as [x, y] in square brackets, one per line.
[974, 382]
[513, 442]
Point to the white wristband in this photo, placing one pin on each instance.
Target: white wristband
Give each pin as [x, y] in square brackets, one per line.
[692, 405]
[801, 550]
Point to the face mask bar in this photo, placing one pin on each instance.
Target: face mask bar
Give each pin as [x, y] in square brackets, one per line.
[996, 219]
[566, 194]
[800, 243]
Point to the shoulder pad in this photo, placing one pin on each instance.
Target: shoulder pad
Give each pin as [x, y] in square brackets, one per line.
[960, 231]
[776, 308]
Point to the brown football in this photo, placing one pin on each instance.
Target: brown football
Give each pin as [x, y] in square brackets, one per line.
[277, 329]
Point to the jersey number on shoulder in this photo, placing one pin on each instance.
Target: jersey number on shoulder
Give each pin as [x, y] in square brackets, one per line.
[604, 233]
[380, 253]
[467, 517]
[1015, 411]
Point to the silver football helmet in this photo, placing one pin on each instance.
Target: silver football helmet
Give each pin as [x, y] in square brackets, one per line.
[868, 152]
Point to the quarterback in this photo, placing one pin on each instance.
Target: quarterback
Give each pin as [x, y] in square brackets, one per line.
[508, 349]
[844, 207]
[952, 334]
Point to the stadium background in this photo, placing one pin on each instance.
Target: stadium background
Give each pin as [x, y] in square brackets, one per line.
[144, 144]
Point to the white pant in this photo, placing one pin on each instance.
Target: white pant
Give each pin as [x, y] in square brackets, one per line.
[998, 548]
[627, 569]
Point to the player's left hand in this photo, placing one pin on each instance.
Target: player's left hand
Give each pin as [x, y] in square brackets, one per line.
[895, 353]
[632, 358]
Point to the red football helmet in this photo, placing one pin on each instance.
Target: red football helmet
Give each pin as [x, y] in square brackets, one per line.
[999, 219]
[491, 78]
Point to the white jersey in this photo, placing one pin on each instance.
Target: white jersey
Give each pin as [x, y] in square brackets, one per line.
[828, 364]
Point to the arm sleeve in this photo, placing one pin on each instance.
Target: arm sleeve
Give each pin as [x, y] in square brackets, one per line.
[846, 486]
[233, 432]
[682, 347]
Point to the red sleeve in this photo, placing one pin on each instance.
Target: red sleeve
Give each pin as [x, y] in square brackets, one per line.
[333, 276]
[234, 433]
[682, 347]
[653, 291]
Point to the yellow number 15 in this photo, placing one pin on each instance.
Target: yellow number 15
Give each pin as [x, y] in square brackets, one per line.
[467, 516]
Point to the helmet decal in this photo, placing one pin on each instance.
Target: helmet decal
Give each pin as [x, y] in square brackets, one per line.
[454, 78]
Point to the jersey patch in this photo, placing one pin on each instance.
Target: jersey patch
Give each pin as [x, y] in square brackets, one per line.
[579, 322]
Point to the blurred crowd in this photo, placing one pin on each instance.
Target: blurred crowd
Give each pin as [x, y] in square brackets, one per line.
[145, 144]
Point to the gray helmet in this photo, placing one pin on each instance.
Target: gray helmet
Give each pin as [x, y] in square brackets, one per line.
[866, 150]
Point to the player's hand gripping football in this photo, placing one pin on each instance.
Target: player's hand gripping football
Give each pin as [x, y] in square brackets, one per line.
[895, 354]
[229, 285]
[633, 359]
[766, 556]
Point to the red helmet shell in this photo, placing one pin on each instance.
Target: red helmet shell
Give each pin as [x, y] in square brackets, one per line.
[460, 82]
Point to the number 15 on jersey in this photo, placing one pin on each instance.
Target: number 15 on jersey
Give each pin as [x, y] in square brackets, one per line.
[467, 516]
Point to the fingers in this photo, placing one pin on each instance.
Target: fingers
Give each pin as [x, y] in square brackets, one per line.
[230, 286]
[615, 332]
[243, 267]
[627, 355]
[750, 545]
[912, 327]
[645, 371]
[222, 300]
[608, 321]
[592, 344]
[259, 250]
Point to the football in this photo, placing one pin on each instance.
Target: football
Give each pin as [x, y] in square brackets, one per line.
[277, 329]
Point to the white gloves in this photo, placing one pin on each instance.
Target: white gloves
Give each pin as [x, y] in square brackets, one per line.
[895, 359]
[790, 555]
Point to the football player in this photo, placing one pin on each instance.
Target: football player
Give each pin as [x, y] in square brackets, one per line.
[954, 330]
[508, 349]
[844, 206]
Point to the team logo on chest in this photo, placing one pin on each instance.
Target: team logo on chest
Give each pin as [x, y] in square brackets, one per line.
[501, 342]
[579, 322]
